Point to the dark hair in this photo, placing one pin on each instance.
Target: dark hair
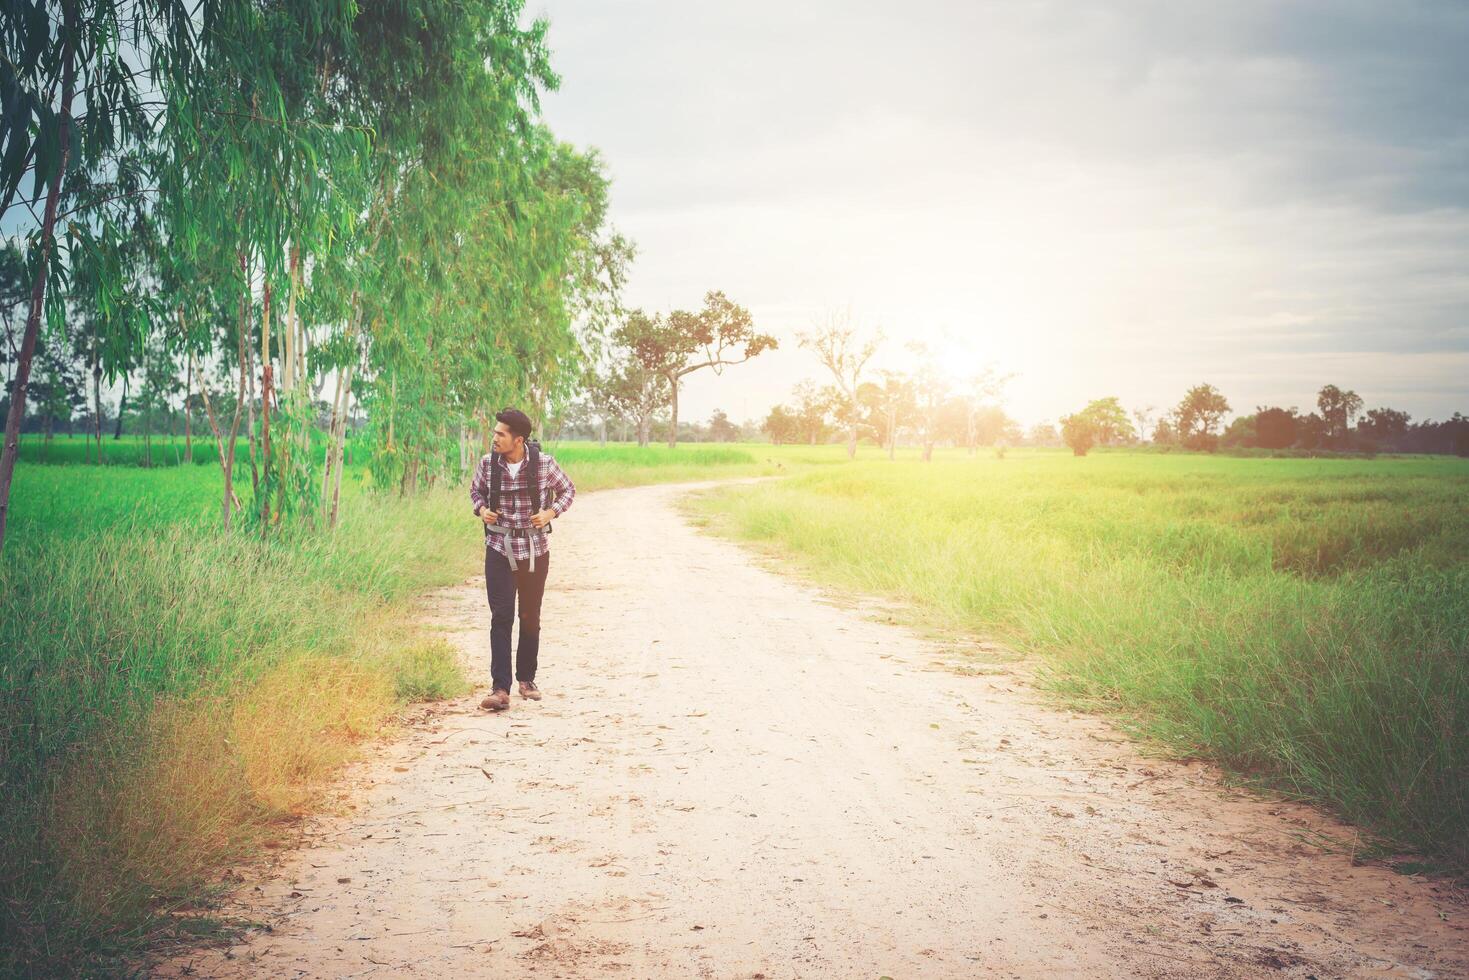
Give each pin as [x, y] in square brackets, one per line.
[517, 421]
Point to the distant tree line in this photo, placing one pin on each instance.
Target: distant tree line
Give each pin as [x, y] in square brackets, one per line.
[1337, 425]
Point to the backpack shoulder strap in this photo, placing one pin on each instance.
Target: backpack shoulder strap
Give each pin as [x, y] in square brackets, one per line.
[495, 482]
[533, 476]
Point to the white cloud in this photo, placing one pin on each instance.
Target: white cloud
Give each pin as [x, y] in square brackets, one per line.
[1117, 198]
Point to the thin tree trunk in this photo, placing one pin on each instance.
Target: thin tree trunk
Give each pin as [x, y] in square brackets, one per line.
[250, 437]
[673, 405]
[227, 459]
[209, 413]
[147, 423]
[188, 391]
[97, 399]
[852, 436]
[16, 415]
[340, 441]
[265, 382]
[331, 439]
[122, 404]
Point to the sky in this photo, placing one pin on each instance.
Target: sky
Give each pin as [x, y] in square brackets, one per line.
[1119, 197]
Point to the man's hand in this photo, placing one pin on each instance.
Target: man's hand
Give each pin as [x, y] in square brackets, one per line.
[542, 518]
[488, 516]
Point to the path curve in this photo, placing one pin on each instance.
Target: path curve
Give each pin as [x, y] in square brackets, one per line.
[736, 775]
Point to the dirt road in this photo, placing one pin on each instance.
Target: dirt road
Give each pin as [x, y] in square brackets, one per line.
[732, 775]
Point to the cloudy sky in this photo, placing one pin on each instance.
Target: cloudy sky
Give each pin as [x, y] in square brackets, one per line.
[1116, 197]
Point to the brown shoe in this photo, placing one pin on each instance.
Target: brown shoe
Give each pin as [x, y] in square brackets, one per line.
[498, 700]
[528, 689]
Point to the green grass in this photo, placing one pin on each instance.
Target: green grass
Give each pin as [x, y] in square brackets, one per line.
[120, 594]
[1300, 620]
[129, 617]
[1303, 622]
[129, 450]
[596, 467]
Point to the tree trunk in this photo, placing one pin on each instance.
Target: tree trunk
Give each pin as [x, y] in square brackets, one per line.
[38, 287]
[147, 424]
[331, 439]
[673, 405]
[852, 436]
[188, 391]
[340, 440]
[122, 404]
[602, 433]
[227, 459]
[209, 413]
[265, 381]
[97, 399]
[250, 400]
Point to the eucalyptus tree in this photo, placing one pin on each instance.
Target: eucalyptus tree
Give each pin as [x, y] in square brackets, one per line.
[72, 80]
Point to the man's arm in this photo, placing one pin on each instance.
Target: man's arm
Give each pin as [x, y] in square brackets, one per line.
[559, 484]
[479, 488]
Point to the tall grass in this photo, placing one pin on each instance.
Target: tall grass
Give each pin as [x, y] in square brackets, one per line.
[171, 694]
[1303, 622]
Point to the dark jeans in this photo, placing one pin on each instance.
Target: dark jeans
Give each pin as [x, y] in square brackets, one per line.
[502, 585]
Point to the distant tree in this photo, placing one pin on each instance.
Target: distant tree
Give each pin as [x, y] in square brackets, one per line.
[977, 395]
[636, 393]
[1079, 432]
[888, 404]
[1143, 418]
[813, 406]
[844, 350]
[58, 390]
[721, 429]
[1043, 434]
[1428, 436]
[718, 336]
[1110, 421]
[1103, 421]
[15, 295]
[1164, 433]
[1337, 408]
[1276, 428]
[1239, 432]
[781, 425]
[1385, 427]
[600, 399]
[1312, 432]
[1198, 415]
[930, 392]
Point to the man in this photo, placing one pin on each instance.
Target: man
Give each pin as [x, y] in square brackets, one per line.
[516, 492]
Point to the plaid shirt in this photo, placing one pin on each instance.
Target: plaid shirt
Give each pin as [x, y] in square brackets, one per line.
[515, 505]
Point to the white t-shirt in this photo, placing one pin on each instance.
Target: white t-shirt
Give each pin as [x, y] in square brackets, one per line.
[514, 468]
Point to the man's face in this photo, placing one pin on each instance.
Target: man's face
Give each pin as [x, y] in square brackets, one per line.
[504, 438]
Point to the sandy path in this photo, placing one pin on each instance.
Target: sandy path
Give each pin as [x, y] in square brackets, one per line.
[734, 776]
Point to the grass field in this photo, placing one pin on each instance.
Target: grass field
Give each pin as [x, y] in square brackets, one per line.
[1303, 622]
[170, 695]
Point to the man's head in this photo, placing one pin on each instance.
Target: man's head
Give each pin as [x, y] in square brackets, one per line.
[512, 427]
